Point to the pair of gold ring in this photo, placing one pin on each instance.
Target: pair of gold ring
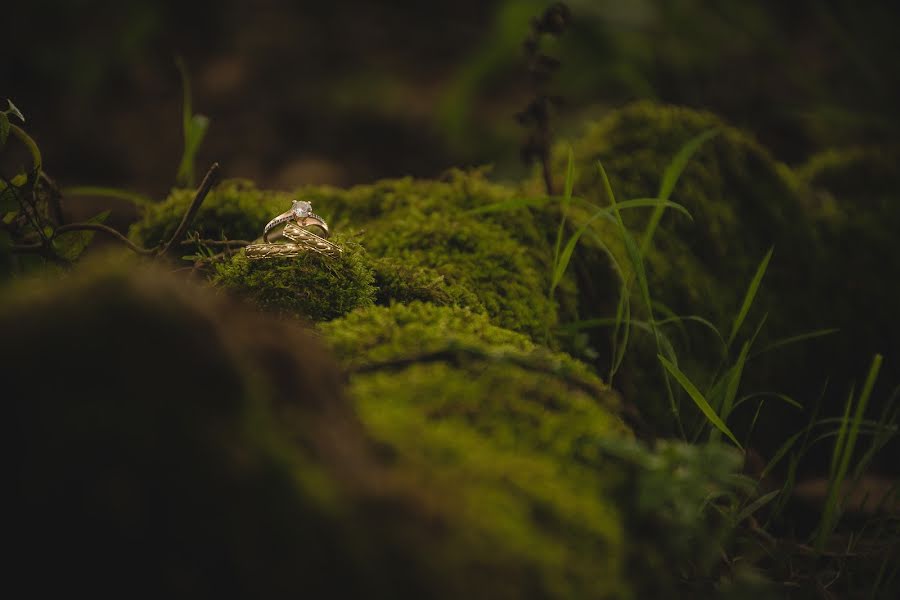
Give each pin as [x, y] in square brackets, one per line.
[298, 239]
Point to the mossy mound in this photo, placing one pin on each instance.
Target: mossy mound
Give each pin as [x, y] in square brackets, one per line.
[389, 212]
[857, 194]
[514, 429]
[397, 280]
[742, 202]
[310, 286]
[235, 209]
[164, 435]
[422, 245]
[474, 255]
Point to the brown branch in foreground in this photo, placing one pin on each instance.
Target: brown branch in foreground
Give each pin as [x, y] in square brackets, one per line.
[210, 180]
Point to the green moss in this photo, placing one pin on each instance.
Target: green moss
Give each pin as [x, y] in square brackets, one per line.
[422, 244]
[511, 431]
[478, 256]
[742, 202]
[457, 192]
[311, 286]
[857, 194]
[235, 209]
[398, 281]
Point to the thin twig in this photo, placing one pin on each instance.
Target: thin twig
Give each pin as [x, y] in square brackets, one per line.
[27, 208]
[103, 229]
[210, 180]
[226, 243]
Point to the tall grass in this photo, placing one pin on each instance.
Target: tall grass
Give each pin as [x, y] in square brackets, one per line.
[723, 394]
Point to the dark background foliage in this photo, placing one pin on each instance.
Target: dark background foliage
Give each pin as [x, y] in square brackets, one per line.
[351, 91]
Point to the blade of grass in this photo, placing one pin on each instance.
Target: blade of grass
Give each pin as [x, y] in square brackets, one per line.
[731, 388]
[809, 335]
[749, 296]
[194, 128]
[669, 179]
[756, 505]
[566, 200]
[783, 397]
[634, 253]
[832, 508]
[698, 399]
[561, 262]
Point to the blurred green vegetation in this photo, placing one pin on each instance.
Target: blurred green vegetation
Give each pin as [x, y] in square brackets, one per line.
[316, 92]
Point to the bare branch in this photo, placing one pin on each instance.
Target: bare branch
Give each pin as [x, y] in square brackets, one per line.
[213, 243]
[210, 180]
[103, 229]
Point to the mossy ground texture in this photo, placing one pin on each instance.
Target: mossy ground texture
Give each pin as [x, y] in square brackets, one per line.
[429, 435]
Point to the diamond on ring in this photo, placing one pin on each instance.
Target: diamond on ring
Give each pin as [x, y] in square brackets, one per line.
[301, 208]
[301, 212]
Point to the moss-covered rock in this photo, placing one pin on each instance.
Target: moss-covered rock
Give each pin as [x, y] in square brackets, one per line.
[857, 196]
[742, 202]
[311, 286]
[234, 209]
[478, 256]
[422, 244]
[163, 436]
[397, 280]
[167, 436]
[513, 428]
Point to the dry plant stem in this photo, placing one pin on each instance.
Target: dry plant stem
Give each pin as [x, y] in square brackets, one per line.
[545, 166]
[103, 229]
[45, 249]
[210, 180]
[213, 243]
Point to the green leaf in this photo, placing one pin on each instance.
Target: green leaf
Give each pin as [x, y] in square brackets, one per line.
[634, 253]
[72, 244]
[756, 505]
[14, 110]
[19, 180]
[194, 128]
[4, 128]
[809, 335]
[570, 175]
[849, 435]
[8, 201]
[562, 261]
[733, 378]
[698, 399]
[32, 146]
[566, 201]
[670, 178]
[750, 296]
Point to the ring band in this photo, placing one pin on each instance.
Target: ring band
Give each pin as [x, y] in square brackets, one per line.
[301, 212]
[302, 241]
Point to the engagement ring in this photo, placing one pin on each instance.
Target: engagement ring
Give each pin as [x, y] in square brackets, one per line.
[301, 242]
[301, 213]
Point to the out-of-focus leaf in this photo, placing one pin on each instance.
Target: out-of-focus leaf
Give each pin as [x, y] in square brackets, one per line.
[32, 146]
[72, 244]
[14, 110]
[8, 202]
